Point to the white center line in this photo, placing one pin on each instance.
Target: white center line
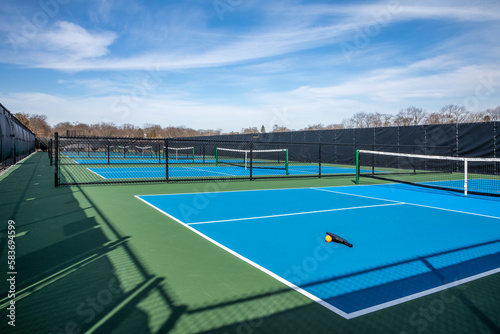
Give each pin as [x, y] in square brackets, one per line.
[294, 214]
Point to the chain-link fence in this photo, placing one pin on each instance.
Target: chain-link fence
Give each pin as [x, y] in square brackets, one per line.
[98, 160]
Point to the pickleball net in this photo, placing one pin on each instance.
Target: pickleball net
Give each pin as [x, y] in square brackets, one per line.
[264, 159]
[144, 151]
[467, 175]
[185, 154]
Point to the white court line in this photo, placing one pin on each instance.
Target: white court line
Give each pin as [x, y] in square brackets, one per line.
[88, 168]
[208, 171]
[414, 204]
[420, 294]
[294, 214]
[249, 190]
[270, 273]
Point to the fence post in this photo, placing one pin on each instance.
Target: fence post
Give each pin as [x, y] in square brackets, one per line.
[51, 152]
[166, 160]
[251, 159]
[56, 160]
[319, 158]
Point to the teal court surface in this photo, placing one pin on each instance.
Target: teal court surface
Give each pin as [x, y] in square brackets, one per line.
[408, 242]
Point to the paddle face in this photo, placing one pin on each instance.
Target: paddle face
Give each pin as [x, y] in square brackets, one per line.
[340, 240]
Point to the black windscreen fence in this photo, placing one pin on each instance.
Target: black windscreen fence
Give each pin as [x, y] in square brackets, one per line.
[98, 160]
[16, 140]
[465, 139]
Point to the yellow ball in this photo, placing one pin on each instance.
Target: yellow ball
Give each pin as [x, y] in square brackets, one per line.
[328, 238]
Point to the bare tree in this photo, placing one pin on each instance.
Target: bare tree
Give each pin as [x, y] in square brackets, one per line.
[452, 113]
[318, 126]
[39, 125]
[23, 118]
[252, 129]
[433, 118]
[360, 120]
[335, 126]
[493, 114]
[409, 116]
[152, 130]
[280, 128]
[477, 116]
[376, 120]
[348, 123]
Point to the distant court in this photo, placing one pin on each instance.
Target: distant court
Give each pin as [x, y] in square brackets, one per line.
[209, 171]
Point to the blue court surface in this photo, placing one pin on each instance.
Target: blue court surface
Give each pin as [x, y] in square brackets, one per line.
[408, 241]
[210, 171]
[137, 160]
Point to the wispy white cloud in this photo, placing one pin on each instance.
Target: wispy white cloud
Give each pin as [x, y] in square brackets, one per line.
[73, 40]
[315, 27]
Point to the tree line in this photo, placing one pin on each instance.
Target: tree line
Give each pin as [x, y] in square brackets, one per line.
[449, 114]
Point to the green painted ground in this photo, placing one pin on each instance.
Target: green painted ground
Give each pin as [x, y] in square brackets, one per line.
[95, 259]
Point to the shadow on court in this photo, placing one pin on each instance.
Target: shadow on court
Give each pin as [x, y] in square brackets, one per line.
[75, 272]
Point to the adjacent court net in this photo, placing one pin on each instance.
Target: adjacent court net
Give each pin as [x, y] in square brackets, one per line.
[268, 159]
[144, 151]
[467, 175]
[186, 154]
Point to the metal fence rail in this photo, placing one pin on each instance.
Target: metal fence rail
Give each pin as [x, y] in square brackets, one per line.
[99, 160]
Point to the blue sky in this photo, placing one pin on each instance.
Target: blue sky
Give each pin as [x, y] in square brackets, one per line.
[230, 64]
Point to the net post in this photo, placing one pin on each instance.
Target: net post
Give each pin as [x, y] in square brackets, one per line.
[108, 152]
[466, 168]
[56, 160]
[166, 160]
[193, 154]
[286, 162]
[216, 157]
[357, 167]
[203, 148]
[319, 160]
